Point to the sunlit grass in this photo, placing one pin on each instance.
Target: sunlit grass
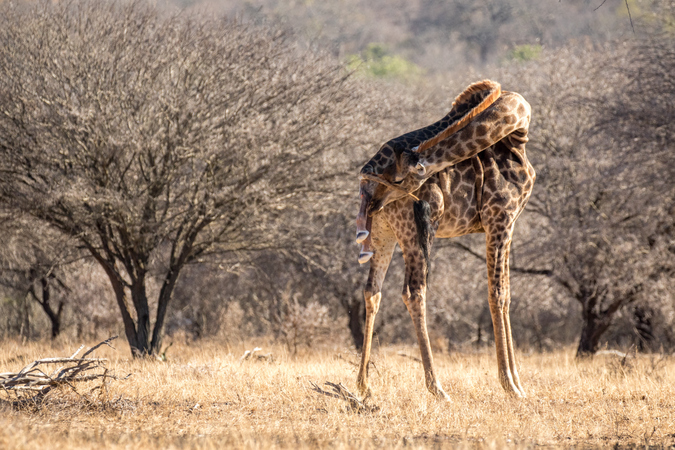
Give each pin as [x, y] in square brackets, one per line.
[204, 397]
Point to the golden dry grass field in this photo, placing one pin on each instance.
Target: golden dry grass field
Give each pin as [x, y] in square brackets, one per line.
[204, 397]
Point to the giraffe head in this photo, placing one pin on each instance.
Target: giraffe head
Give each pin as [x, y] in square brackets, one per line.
[391, 166]
[389, 177]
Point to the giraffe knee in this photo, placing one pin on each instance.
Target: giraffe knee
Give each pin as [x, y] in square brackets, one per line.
[498, 301]
[405, 295]
[372, 301]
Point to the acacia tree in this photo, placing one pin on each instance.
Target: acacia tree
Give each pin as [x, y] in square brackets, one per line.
[625, 198]
[602, 192]
[156, 139]
[32, 258]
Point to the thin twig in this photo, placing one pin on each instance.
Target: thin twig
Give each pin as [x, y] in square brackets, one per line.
[78, 351]
[630, 17]
[106, 342]
[341, 392]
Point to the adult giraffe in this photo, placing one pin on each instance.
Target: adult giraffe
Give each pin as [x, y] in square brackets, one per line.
[466, 173]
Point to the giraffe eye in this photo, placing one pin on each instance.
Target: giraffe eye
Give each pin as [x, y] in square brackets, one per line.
[397, 182]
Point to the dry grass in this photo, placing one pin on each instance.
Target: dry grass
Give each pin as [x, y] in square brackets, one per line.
[204, 397]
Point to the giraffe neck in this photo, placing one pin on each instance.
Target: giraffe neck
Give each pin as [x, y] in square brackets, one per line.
[392, 149]
[475, 98]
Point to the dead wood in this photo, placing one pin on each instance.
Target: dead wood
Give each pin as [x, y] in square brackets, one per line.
[341, 392]
[32, 383]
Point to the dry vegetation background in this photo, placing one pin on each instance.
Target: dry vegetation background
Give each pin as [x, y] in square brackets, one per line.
[188, 180]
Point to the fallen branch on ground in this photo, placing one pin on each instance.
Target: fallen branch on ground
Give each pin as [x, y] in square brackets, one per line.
[341, 392]
[34, 382]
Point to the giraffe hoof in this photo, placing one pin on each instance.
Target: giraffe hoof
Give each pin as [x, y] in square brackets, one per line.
[364, 257]
[440, 394]
[361, 236]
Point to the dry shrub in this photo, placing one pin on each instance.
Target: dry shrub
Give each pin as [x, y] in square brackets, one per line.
[302, 325]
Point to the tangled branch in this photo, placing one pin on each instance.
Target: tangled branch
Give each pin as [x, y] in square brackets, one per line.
[34, 381]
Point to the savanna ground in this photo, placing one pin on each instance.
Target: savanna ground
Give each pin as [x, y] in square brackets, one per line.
[203, 396]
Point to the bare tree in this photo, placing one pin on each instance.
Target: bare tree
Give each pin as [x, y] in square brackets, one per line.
[157, 139]
[600, 195]
[32, 260]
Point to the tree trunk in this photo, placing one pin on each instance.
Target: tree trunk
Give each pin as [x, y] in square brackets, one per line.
[598, 312]
[54, 317]
[162, 305]
[122, 301]
[642, 319]
[140, 300]
[596, 322]
[594, 328]
[24, 331]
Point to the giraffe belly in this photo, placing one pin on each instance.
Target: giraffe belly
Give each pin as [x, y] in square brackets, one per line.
[452, 226]
[460, 215]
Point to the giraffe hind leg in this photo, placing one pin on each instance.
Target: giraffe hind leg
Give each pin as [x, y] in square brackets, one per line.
[416, 255]
[507, 323]
[498, 245]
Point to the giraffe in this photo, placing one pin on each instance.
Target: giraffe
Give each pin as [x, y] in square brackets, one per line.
[466, 173]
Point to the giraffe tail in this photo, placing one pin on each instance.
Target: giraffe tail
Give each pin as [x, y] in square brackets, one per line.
[422, 215]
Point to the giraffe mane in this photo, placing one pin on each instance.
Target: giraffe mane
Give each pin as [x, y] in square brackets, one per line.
[492, 91]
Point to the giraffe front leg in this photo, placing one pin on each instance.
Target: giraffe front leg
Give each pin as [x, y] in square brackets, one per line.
[416, 253]
[372, 305]
[499, 299]
[383, 248]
